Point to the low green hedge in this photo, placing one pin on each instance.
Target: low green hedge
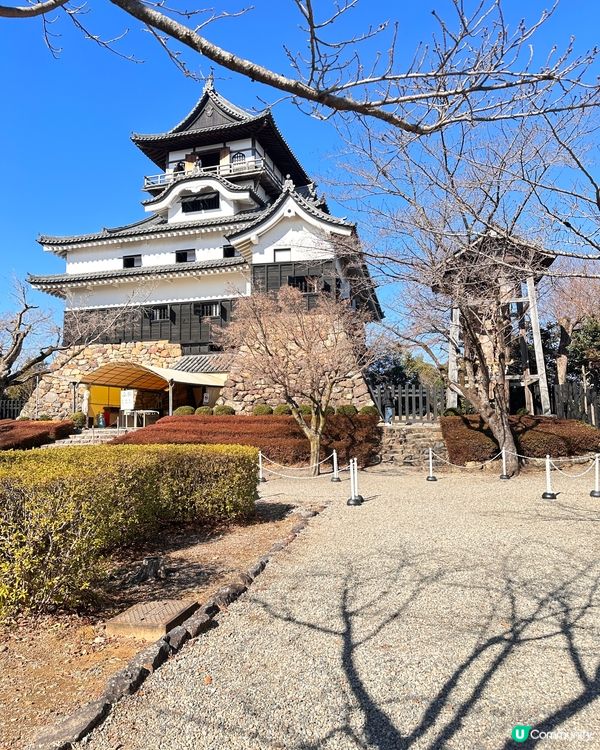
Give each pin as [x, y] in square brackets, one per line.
[184, 411]
[204, 410]
[262, 410]
[63, 511]
[223, 411]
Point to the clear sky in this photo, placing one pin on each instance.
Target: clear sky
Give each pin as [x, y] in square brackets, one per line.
[69, 166]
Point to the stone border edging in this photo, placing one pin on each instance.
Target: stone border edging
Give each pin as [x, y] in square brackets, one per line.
[128, 680]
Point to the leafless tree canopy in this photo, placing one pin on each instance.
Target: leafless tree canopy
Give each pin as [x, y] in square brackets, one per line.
[30, 338]
[475, 68]
[304, 354]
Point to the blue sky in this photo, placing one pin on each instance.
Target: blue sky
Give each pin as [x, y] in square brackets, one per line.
[69, 164]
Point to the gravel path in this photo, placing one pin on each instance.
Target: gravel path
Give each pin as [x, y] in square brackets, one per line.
[436, 615]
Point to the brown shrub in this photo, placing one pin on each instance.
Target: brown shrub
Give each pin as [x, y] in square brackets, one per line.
[468, 438]
[16, 434]
[279, 437]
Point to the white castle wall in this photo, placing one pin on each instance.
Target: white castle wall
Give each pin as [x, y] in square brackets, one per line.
[186, 289]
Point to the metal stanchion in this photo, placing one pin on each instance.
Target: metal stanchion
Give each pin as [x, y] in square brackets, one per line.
[431, 477]
[596, 491]
[355, 498]
[504, 475]
[336, 471]
[261, 476]
[549, 494]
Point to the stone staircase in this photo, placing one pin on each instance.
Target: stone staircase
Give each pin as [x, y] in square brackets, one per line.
[89, 437]
[408, 445]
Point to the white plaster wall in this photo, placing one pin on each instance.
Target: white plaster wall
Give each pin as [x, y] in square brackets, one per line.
[217, 286]
[227, 207]
[306, 242]
[159, 252]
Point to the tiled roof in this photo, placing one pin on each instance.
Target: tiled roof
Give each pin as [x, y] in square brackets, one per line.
[307, 205]
[219, 101]
[155, 224]
[177, 269]
[173, 134]
[207, 363]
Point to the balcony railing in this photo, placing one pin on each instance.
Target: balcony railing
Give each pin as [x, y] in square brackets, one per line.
[237, 169]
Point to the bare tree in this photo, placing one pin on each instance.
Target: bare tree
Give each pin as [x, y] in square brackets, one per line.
[570, 302]
[302, 353]
[30, 337]
[475, 68]
[455, 228]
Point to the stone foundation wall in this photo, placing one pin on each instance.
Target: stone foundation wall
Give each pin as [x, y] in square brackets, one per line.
[55, 392]
[243, 394]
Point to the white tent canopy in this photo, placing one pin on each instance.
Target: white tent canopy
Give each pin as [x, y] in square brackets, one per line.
[147, 377]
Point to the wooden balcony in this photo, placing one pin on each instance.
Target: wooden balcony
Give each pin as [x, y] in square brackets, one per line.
[248, 167]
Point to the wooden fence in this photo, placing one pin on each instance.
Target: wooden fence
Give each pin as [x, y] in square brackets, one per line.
[10, 408]
[411, 403]
[574, 400]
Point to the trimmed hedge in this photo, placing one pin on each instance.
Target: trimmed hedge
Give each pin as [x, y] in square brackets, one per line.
[349, 410]
[281, 410]
[182, 411]
[279, 437]
[22, 434]
[372, 411]
[262, 410]
[63, 511]
[223, 411]
[206, 410]
[468, 437]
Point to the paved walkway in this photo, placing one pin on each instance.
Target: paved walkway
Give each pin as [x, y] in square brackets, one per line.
[434, 616]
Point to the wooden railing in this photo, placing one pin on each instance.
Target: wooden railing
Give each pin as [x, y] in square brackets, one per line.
[410, 403]
[248, 166]
[10, 408]
[574, 400]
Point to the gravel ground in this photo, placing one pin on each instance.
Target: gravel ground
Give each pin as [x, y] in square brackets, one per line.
[436, 615]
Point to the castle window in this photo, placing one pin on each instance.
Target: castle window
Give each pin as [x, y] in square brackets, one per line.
[283, 255]
[228, 251]
[185, 256]
[306, 284]
[208, 309]
[205, 202]
[238, 160]
[132, 261]
[161, 312]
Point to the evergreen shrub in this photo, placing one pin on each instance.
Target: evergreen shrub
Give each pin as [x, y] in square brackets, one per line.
[184, 411]
[223, 411]
[63, 511]
[372, 411]
[348, 410]
[262, 410]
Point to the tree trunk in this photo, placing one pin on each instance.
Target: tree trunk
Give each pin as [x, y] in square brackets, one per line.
[500, 427]
[562, 357]
[315, 450]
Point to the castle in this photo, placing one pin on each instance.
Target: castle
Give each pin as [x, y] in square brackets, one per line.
[230, 209]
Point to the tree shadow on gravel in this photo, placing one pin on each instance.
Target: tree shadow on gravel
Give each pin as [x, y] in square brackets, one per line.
[521, 613]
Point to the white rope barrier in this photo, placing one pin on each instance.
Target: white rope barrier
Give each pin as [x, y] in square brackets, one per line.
[573, 476]
[262, 468]
[284, 466]
[550, 464]
[459, 466]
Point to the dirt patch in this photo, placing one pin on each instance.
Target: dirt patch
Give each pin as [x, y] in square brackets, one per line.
[51, 665]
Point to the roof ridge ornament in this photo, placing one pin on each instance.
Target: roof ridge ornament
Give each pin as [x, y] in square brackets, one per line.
[289, 184]
[209, 83]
